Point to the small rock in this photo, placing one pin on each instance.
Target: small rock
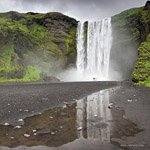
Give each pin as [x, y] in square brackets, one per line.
[34, 130]
[65, 106]
[6, 124]
[17, 127]
[79, 128]
[52, 133]
[110, 106]
[130, 100]
[26, 135]
[44, 131]
[20, 120]
[45, 99]
[26, 110]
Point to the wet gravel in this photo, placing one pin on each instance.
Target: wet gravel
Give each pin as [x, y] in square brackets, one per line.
[18, 101]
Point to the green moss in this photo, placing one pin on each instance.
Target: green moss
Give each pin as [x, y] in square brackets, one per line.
[9, 63]
[32, 74]
[71, 44]
[141, 74]
[135, 21]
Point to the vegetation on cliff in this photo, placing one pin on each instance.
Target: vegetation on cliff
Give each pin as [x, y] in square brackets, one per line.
[133, 28]
[141, 74]
[32, 44]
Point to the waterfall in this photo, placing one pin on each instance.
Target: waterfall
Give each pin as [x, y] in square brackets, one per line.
[80, 47]
[93, 56]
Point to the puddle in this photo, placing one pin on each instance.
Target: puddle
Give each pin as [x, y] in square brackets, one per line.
[84, 123]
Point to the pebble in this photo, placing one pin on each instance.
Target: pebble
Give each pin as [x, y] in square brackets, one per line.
[26, 110]
[34, 130]
[17, 127]
[26, 135]
[129, 100]
[110, 106]
[79, 128]
[52, 133]
[20, 120]
[66, 103]
[6, 124]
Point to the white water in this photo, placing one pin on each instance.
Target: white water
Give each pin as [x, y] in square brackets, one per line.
[80, 47]
[93, 115]
[93, 53]
[93, 61]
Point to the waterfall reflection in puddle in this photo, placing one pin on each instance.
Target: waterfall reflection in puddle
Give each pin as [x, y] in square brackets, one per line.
[93, 116]
[84, 123]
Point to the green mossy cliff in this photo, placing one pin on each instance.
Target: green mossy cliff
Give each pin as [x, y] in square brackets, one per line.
[32, 44]
[132, 32]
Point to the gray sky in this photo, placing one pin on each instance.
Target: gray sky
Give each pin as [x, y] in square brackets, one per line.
[79, 9]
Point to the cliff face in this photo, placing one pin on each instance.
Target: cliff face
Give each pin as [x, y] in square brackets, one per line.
[32, 44]
[131, 31]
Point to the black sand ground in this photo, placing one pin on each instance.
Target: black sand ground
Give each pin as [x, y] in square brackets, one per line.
[131, 111]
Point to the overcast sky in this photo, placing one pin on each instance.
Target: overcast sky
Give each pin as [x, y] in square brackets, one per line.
[79, 9]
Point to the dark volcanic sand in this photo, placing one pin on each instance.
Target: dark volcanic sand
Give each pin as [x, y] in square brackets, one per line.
[130, 123]
[40, 97]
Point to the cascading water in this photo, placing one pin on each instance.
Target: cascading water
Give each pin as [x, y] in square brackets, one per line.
[80, 47]
[93, 59]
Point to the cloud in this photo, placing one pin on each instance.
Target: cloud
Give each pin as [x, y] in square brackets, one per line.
[80, 9]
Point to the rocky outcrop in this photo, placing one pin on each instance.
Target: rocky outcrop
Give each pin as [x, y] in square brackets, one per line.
[147, 6]
[47, 42]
